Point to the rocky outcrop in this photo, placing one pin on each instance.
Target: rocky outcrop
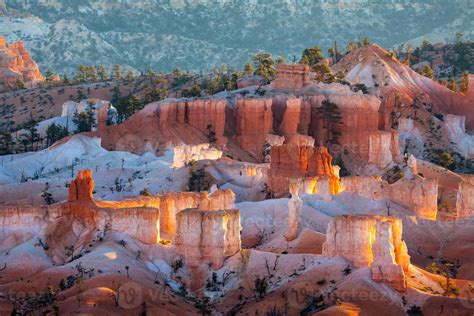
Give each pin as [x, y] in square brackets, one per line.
[184, 154]
[291, 77]
[417, 194]
[370, 241]
[254, 120]
[301, 162]
[141, 223]
[80, 189]
[206, 115]
[359, 126]
[465, 200]
[295, 204]
[17, 65]
[248, 81]
[207, 236]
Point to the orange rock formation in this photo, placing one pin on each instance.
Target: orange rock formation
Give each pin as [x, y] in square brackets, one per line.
[301, 162]
[254, 120]
[291, 77]
[16, 64]
[82, 187]
[370, 241]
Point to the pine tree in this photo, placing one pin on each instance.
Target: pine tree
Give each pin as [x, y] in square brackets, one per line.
[129, 76]
[248, 69]
[81, 73]
[453, 85]
[323, 73]
[264, 65]
[117, 72]
[84, 121]
[54, 133]
[20, 84]
[66, 79]
[312, 56]
[48, 76]
[91, 73]
[46, 195]
[366, 41]
[464, 82]
[351, 46]
[329, 113]
[102, 73]
[428, 72]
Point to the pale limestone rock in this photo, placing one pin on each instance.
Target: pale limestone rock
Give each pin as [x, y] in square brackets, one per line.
[370, 241]
[465, 200]
[184, 154]
[142, 223]
[295, 205]
[417, 194]
[207, 236]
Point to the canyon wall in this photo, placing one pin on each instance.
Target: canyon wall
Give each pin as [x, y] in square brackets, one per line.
[300, 162]
[142, 223]
[17, 65]
[206, 115]
[359, 130]
[370, 241]
[418, 194]
[207, 236]
[254, 120]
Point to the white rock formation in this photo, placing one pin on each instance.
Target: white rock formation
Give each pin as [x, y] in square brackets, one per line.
[207, 236]
[295, 205]
[184, 154]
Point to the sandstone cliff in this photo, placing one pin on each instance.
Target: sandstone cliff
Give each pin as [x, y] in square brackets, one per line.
[370, 241]
[207, 236]
[17, 65]
[301, 162]
[254, 120]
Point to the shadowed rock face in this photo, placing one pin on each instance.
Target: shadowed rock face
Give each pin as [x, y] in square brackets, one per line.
[301, 162]
[16, 64]
[370, 241]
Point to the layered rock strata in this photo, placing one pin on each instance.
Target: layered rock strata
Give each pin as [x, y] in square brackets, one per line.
[418, 194]
[207, 236]
[254, 120]
[291, 77]
[465, 200]
[301, 162]
[373, 242]
[16, 65]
